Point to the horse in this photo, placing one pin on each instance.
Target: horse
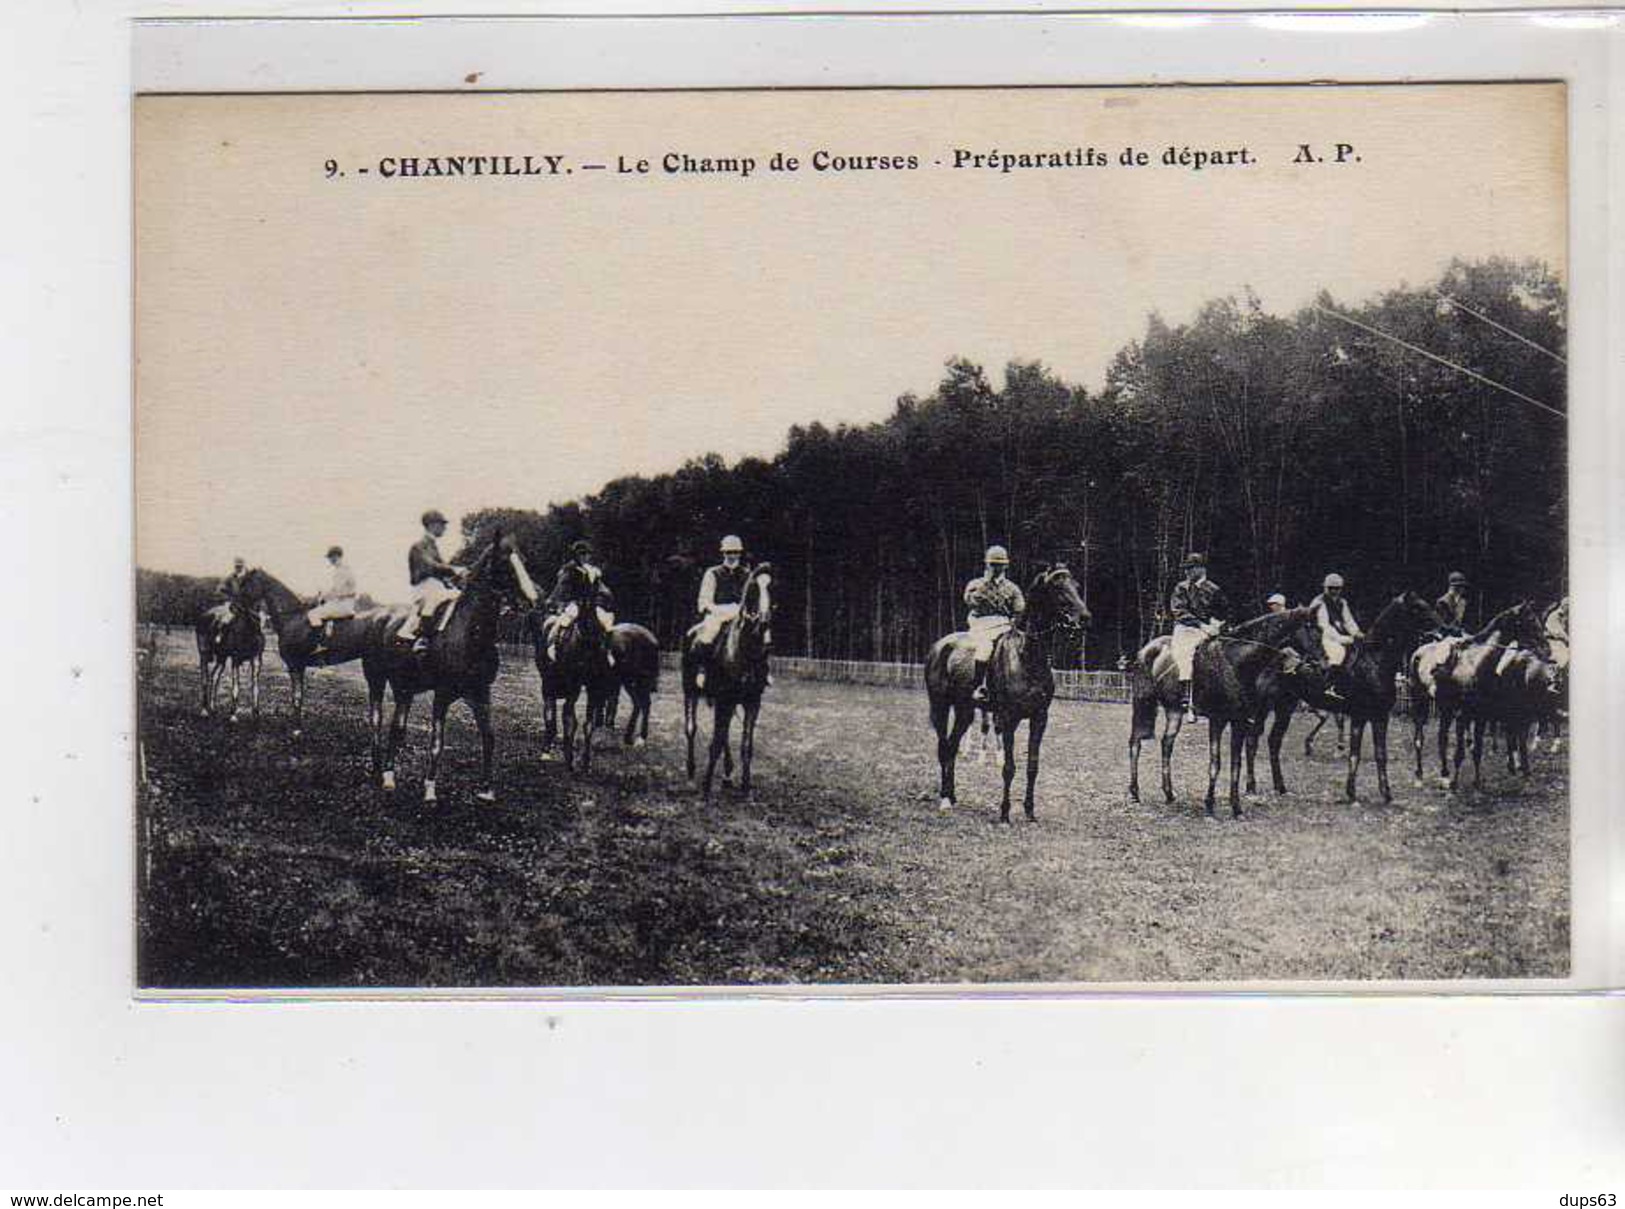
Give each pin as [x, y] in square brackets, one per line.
[460, 664]
[1456, 678]
[1279, 698]
[229, 635]
[735, 678]
[579, 662]
[1020, 685]
[1237, 678]
[637, 670]
[301, 644]
[1370, 684]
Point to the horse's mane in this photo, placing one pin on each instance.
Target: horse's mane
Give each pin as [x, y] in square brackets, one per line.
[1265, 623]
[1495, 623]
[284, 596]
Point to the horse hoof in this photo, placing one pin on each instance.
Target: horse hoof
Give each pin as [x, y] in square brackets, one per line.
[945, 804]
[388, 784]
[641, 743]
[488, 796]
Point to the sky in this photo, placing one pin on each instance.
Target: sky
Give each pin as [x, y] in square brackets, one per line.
[322, 357]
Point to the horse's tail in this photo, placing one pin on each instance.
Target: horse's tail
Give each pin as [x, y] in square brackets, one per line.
[1143, 691]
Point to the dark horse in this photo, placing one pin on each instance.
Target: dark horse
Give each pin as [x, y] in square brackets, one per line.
[735, 678]
[460, 664]
[1020, 684]
[637, 670]
[1237, 679]
[1459, 679]
[229, 635]
[300, 643]
[1369, 689]
[579, 662]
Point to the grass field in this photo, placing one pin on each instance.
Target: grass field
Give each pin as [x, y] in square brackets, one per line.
[271, 862]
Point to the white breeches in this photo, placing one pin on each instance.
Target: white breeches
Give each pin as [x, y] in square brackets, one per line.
[431, 594]
[332, 610]
[573, 610]
[1186, 639]
[984, 631]
[1336, 647]
[710, 625]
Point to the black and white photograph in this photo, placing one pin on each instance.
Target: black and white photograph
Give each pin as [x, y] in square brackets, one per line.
[852, 538]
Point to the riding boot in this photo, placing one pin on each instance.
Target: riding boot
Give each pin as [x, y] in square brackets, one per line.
[1190, 700]
[1336, 681]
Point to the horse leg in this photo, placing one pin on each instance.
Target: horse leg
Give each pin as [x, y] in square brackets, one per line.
[1238, 737]
[437, 743]
[480, 704]
[1283, 719]
[722, 714]
[204, 672]
[254, 670]
[1134, 768]
[1309, 739]
[397, 732]
[567, 707]
[1461, 750]
[951, 723]
[1036, 725]
[1342, 744]
[1172, 720]
[1215, 736]
[1007, 737]
[375, 725]
[550, 721]
[297, 676]
[1250, 754]
[1479, 727]
[632, 718]
[691, 711]
[236, 687]
[1379, 748]
[589, 722]
[747, 741]
[1356, 737]
[643, 724]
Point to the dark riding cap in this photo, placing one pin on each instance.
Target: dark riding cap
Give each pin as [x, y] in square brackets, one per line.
[1195, 559]
[432, 516]
[581, 549]
[1458, 580]
[335, 552]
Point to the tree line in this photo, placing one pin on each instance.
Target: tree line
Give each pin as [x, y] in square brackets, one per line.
[1284, 446]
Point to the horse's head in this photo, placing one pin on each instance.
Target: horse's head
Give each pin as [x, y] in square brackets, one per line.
[500, 568]
[1522, 624]
[1053, 600]
[756, 606]
[1404, 619]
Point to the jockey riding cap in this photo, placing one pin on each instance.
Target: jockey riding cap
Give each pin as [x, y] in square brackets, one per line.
[732, 545]
[335, 552]
[1194, 559]
[1275, 598]
[581, 549]
[1457, 580]
[433, 516]
[998, 556]
[1334, 580]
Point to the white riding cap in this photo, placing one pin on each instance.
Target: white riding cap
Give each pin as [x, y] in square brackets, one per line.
[998, 556]
[1275, 598]
[1334, 580]
[732, 545]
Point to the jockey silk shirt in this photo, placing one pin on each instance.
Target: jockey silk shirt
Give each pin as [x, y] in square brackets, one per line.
[722, 585]
[989, 597]
[1198, 603]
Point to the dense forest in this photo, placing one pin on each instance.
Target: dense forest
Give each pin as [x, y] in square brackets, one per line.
[1284, 446]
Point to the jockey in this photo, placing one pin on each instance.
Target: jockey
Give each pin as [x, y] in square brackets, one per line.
[233, 590]
[336, 602]
[1338, 631]
[1557, 638]
[722, 590]
[1199, 610]
[434, 580]
[563, 608]
[994, 603]
[1275, 603]
[1452, 606]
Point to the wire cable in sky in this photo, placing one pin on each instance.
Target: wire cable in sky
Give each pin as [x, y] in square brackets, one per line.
[1375, 331]
[1539, 348]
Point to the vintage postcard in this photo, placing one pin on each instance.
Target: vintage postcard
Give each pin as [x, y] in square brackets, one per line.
[852, 537]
